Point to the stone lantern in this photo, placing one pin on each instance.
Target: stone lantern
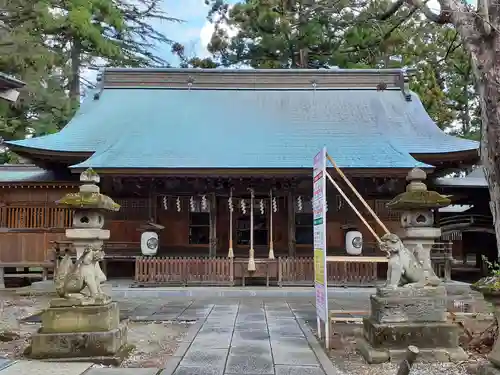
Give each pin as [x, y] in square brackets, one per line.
[417, 205]
[83, 323]
[89, 206]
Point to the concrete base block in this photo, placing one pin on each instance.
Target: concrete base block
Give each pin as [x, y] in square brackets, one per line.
[380, 355]
[99, 318]
[79, 346]
[401, 335]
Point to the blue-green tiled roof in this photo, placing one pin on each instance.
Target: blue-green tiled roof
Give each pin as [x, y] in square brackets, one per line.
[229, 128]
[24, 173]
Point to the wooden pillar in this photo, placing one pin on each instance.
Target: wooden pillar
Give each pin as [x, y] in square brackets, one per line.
[291, 224]
[213, 225]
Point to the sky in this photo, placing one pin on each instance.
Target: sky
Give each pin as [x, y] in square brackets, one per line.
[194, 33]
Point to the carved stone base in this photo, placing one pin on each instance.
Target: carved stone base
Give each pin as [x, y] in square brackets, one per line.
[380, 355]
[401, 335]
[80, 300]
[81, 319]
[99, 347]
[427, 304]
[407, 316]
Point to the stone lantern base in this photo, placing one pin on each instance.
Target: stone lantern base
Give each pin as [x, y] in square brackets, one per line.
[409, 316]
[89, 333]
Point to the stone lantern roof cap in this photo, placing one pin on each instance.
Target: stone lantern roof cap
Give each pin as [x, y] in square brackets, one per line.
[89, 197]
[417, 196]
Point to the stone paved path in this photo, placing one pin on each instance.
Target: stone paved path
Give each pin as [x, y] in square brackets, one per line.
[250, 338]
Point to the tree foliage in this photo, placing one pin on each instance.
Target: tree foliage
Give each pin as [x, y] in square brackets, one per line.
[49, 43]
[345, 34]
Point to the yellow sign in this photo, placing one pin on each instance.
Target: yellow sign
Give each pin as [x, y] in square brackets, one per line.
[319, 266]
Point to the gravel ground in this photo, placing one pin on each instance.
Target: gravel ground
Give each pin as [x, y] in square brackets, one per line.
[154, 342]
[346, 359]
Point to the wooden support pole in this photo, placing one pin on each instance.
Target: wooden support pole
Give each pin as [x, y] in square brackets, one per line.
[271, 242]
[291, 225]
[230, 253]
[382, 225]
[353, 207]
[411, 355]
[251, 257]
[213, 224]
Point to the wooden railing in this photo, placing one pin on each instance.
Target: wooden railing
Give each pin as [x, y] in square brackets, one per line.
[184, 271]
[342, 271]
[35, 217]
[442, 259]
[463, 221]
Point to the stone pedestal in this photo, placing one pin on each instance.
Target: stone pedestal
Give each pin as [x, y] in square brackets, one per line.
[409, 316]
[83, 333]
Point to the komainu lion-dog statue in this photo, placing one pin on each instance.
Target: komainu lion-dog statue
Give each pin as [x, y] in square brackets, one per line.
[71, 279]
[403, 267]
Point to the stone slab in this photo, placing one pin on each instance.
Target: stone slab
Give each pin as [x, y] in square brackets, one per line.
[210, 358]
[4, 362]
[81, 319]
[298, 370]
[122, 371]
[243, 361]
[283, 356]
[400, 335]
[46, 368]
[81, 344]
[197, 371]
[405, 309]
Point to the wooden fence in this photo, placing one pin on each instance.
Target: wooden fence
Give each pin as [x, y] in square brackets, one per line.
[341, 272]
[184, 271]
[35, 217]
[28, 248]
[299, 271]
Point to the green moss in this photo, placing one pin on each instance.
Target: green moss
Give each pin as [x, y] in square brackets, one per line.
[89, 201]
[487, 285]
[418, 199]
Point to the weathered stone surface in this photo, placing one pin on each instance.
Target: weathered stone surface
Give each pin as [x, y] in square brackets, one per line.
[81, 319]
[45, 368]
[401, 335]
[4, 362]
[246, 361]
[427, 291]
[299, 370]
[122, 371]
[403, 309]
[380, 355]
[81, 344]
[181, 370]
[370, 354]
[208, 358]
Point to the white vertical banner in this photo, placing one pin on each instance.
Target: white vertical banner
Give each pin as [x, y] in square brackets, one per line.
[319, 221]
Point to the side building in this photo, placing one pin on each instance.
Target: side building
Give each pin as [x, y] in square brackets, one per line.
[192, 150]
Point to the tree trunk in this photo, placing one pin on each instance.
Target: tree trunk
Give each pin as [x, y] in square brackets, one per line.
[487, 71]
[483, 43]
[74, 84]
